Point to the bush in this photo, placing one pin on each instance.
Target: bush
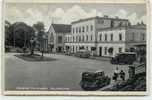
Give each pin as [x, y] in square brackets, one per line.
[7, 49]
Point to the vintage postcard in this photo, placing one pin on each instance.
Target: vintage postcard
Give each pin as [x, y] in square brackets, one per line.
[77, 47]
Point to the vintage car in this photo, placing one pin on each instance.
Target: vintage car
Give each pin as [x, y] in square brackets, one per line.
[82, 54]
[124, 58]
[68, 53]
[94, 80]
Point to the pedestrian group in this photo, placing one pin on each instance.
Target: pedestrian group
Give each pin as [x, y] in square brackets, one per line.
[118, 73]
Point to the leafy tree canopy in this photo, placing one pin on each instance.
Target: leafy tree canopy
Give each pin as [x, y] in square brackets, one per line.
[21, 33]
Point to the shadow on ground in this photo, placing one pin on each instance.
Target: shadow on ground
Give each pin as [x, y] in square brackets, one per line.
[35, 57]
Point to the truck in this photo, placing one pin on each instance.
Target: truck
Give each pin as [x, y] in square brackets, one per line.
[124, 58]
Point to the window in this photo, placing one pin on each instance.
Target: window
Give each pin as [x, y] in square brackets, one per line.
[79, 29]
[73, 30]
[120, 37]
[105, 37]
[91, 37]
[132, 37]
[120, 49]
[100, 37]
[91, 27]
[105, 50]
[87, 28]
[110, 50]
[83, 28]
[83, 38]
[76, 30]
[76, 38]
[143, 36]
[65, 39]
[86, 37]
[76, 48]
[73, 38]
[79, 38]
[120, 24]
[59, 39]
[111, 37]
[73, 48]
[112, 23]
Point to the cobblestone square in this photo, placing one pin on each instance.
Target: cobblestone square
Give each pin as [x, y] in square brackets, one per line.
[63, 73]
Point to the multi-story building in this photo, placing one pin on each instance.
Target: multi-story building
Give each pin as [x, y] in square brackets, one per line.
[56, 37]
[120, 39]
[84, 33]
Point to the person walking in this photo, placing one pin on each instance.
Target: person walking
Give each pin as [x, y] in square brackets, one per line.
[116, 74]
[122, 75]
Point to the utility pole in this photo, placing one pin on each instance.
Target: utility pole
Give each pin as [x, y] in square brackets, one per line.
[13, 38]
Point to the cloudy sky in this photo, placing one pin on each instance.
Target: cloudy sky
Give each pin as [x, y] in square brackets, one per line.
[65, 13]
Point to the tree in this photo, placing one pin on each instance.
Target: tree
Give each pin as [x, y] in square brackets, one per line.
[39, 30]
[20, 34]
[7, 33]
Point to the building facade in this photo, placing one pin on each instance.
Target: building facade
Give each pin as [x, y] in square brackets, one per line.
[120, 39]
[84, 32]
[56, 37]
[102, 36]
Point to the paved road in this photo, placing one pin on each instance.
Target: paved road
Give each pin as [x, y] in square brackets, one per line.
[61, 74]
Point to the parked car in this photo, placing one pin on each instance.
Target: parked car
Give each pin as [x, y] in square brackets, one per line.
[82, 54]
[94, 80]
[68, 53]
[124, 58]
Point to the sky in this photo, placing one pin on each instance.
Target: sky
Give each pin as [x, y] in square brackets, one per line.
[65, 13]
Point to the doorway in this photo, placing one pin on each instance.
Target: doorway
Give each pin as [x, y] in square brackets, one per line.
[100, 51]
[59, 49]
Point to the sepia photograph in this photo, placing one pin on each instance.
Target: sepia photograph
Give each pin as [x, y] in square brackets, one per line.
[75, 47]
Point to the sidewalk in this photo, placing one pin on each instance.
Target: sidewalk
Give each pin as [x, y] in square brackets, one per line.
[91, 57]
[100, 58]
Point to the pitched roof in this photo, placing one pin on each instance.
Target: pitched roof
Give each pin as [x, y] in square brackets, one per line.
[61, 28]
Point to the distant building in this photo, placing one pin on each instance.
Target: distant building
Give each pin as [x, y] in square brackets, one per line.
[56, 35]
[84, 32]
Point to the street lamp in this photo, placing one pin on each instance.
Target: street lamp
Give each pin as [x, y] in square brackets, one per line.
[43, 44]
[33, 43]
